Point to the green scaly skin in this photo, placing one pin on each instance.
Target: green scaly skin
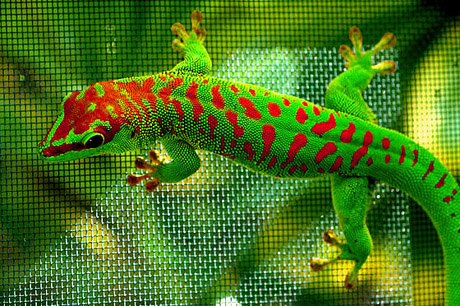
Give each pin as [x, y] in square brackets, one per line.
[270, 133]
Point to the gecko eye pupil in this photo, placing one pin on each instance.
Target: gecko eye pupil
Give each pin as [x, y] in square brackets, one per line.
[95, 141]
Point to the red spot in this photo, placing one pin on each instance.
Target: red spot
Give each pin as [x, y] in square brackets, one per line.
[268, 136]
[447, 200]
[164, 95]
[305, 103]
[370, 161]
[415, 157]
[252, 92]
[441, 181]
[385, 143]
[387, 158]
[212, 123]
[191, 95]
[453, 215]
[162, 78]
[303, 167]
[301, 115]
[175, 82]
[403, 154]
[454, 191]
[251, 112]
[273, 109]
[292, 169]
[328, 149]
[234, 89]
[217, 98]
[430, 169]
[300, 140]
[368, 137]
[272, 162]
[316, 110]
[205, 81]
[322, 127]
[232, 117]
[232, 143]
[266, 93]
[347, 134]
[286, 102]
[222, 143]
[248, 149]
[321, 170]
[337, 164]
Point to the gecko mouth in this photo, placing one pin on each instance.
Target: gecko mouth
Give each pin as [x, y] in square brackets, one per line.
[52, 152]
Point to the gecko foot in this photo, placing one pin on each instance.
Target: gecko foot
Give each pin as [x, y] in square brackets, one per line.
[346, 254]
[364, 59]
[142, 164]
[197, 33]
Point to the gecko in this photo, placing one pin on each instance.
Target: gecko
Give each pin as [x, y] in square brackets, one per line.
[274, 134]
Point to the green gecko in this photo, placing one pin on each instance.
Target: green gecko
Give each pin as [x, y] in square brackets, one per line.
[270, 133]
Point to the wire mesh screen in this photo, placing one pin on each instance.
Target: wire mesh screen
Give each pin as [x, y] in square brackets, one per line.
[75, 233]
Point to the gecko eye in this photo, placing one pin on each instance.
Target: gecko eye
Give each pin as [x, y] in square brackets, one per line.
[94, 140]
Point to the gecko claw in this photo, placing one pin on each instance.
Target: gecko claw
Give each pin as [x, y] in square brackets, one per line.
[196, 33]
[142, 164]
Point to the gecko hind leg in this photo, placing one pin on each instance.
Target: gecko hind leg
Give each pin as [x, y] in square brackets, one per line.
[351, 199]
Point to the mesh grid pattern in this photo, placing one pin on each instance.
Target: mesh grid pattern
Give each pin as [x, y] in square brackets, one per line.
[75, 233]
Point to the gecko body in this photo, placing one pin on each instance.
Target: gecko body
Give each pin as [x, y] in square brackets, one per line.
[270, 133]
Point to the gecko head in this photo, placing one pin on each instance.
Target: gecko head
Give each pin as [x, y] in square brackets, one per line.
[90, 123]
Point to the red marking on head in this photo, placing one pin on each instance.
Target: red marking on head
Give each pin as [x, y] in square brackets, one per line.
[347, 134]
[266, 93]
[415, 157]
[165, 96]
[292, 169]
[337, 164]
[248, 149]
[429, 170]
[272, 162]
[300, 140]
[441, 181]
[268, 136]
[316, 110]
[387, 158]
[385, 143]
[191, 95]
[234, 89]
[322, 127]
[252, 92]
[301, 115]
[222, 142]
[286, 102]
[303, 167]
[305, 103]
[403, 154]
[217, 98]
[251, 112]
[370, 161]
[273, 109]
[212, 123]
[175, 82]
[367, 140]
[232, 118]
[328, 149]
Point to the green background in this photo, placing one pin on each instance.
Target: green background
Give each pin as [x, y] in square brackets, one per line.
[75, 233]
